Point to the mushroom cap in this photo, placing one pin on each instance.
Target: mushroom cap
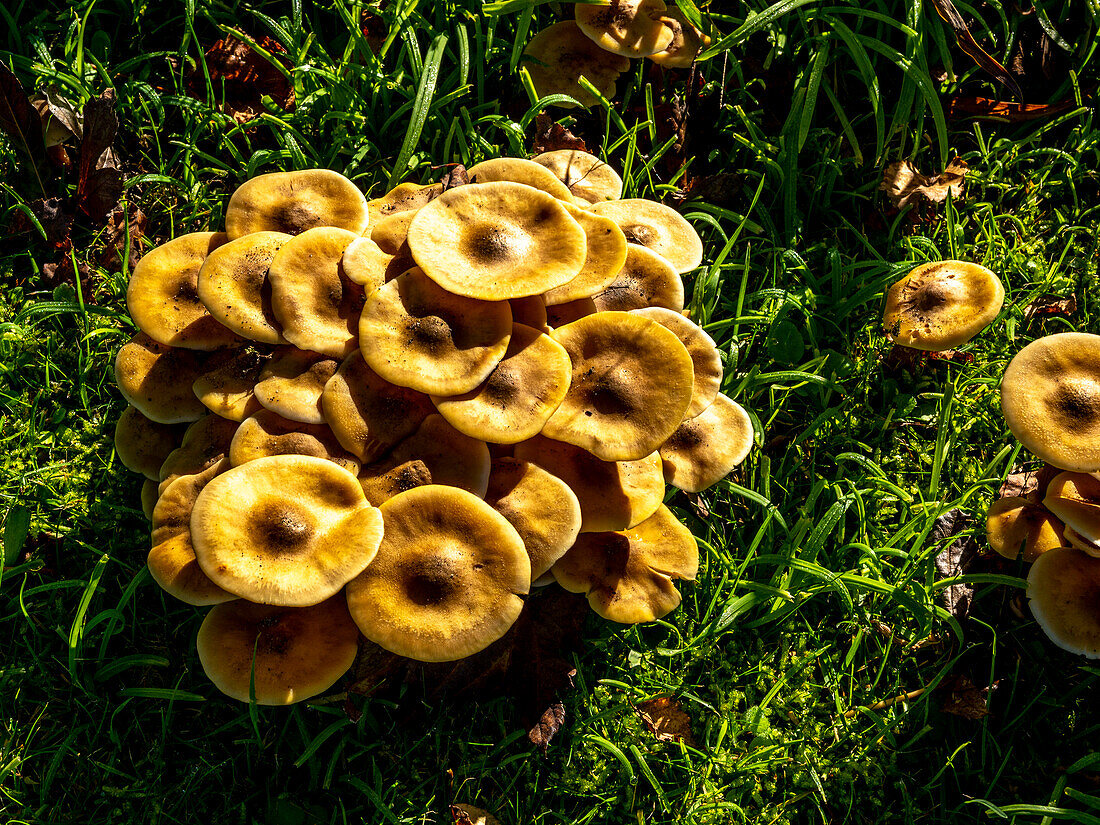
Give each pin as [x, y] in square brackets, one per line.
[291, 384]
[163, 295]
[520, 394]
[631, 28]
[704, 449]
[499, 240]
[267, 433]
[632, 383]
[293, 652]
[149, 493]
[476, 816]
[226, 384]
[366, 264]
[317, 305]
[1050, 396]
[942, 305]
[1075, 499]
[557, 56]
[1075, 540]
[520, 170]
[588, 179]
[288, 530]
[391, 234]
[157, 380]
[529, 311]
[628, 575]
[414, 333]
[142, 444]
[657, 227]
[367, 413]
[1016, 527]
[1064, 588]
[706, 361]
[447, 580]
[687, 42]
[172, 512]
[542, 508]
[403, 197]
[613, 495]
[605, 256]
[645, 280]
[558, 315]
[295, 202]
[232, 284]
[205, 442]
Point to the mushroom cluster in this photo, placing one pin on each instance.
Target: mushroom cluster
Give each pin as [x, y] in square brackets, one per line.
[393, 417]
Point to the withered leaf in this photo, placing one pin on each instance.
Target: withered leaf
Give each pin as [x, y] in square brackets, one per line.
[551, 136]
[962, 106]
[1050, 304]
[666, 720]
[60, 119]
[548, 725]
[966, 699]
[374, 29]
[100, 183]
[721, 188]
[966, 41]
[125, 232]
[55, 218]
[241, 76]
[952, 356]
[63, 272]
[903, 183]
[19, 119]
[1024, 483]
[955, 559]
[455, 176]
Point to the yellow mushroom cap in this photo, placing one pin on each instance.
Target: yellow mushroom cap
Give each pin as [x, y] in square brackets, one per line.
[366, 264]
[315, 302]
[172, 512]
[414, 333]
[476, 816]
[942, 305]
[588, 178]
[704, 449]
[288, 653]
[520, 394]
[1017, 527]
[499, 240]
[288, 530]
[646, 280]
[157, 380]
[226, 384]
[687, 42]
[520, 170]
[542, 508]
[529, 311]
[267, 433]
[613, 495]
[657, 227]
[632, 383]
[1050, 396]
[447, 580]
[605, 256]
[391, 234]
[631, 28]
[142, 444]
[1064, 588]
[557, 56]
[705, 358]
[1075, 499]
[628, 575]
[232, 284]
[403, 197]
[163, 295]
[295, 202]
[205, 442]
[559, 315]
[291, 384]
[1075, 540]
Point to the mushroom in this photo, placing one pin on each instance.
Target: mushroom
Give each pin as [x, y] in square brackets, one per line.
[687, 42]
[267, 433]
[226, 384]
[658, 227]
[1016, 527]
[205, 442]
[529, 311]
[520, 170]
[403, 197]
[157, 380]
[365, 264]
[1075, 499]
[447, 580]
[295, 202]
[559, 55]
[142, 444]
[464, 814]
[588, 178]
[942, 305]
[391, 233]
[645, 280]
[558, 315]
[291, 384]
[706, 361]
[1064, 588]
[704, 449]
[149, 494]
[605, 256]
[233, 286]
[1075, 540]
[631, 28]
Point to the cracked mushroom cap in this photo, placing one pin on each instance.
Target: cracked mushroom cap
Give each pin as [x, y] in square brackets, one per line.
[559, 55]
[1016, 527]
[520, 394]
[704, 449]
[266, 433]
[705, 358]
[226, 384]
[163, 295]
[414, 333]
[282, 654]
[205, 442]
[157, 380]
[142, 444]
[288, 530]
[295, 202]
[631, 28]
[628, 575]
[1050, 396]
[316, 303]
[645, 280]
[942, 305]
[613, 495]
[499, 240]
[233, 286]
[291, 384]
[1075, 499]
[588, 179]
[520, 170]
[687, 42]
[1064, 588]
[448, 578]
[632, 383]
[605, 256]
[657, 227]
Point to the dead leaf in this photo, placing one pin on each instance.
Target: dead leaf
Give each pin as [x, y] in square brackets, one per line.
[966, 699]
[722, 188]
[952, 356]
[123, 238]
[100, 183]
[1028, 483]
[374, 30]
[964, 106]
[955, 559]
[970, 47]
[902, 183]
[56, 220]
[241, 77]
[551, 136]
[455, 176]
[699, 506]
[19, 119]
[548, 726]
[666, 720]
[63, 272]
[1050, 304]
[59, 117]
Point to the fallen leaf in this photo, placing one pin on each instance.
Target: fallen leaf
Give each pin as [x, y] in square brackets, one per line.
[666, 720]
[54, 217]
[374, 30]
[699, 506]
[241, 77]
[902, 183]
[1050, 304]
[455, 176]
[123, 239]
[955, 559]
[952, 356]
[548, 726]
[551, 136]
[1028, 483]
[59, 117]
[722, 188]
[966, 41]
[964, 106]
[63, 272]
[99, 185]
[966, 699]
[19, 119]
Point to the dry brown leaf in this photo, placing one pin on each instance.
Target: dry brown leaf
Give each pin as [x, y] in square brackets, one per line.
[666, 720]
[242, 77]
[903, 183]
[966, 699]
[456, 176]
[125, 232]
[1050, 304]
[1031, 484]
[963, 106]
[551, 136]
[955, 559]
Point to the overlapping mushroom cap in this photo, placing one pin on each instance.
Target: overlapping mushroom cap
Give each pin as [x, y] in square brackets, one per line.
[559, 55]
[632, 28]
[294, 202]
[1064, 588]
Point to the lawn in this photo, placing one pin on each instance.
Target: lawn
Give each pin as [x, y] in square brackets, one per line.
[835, 660]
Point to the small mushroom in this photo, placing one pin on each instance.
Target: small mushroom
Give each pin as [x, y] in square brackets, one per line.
[631, 28]
[706, 361]
[559, 55]
[291, 384]
[267, 433]
[295, 202]
[157, 379]
[142, 444]
[687, 42]
[559, 315]
[704, 449]
[588, 178]
[1075, 499]
[403, 197]
[205, 442]
[1064, 588]
[227, 381]
[605, 256]
[657, 227]
[365, 263]
[645, 280]
[1016, 527]
[942, 305]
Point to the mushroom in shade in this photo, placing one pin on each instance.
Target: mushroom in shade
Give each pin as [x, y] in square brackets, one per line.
[631, 28]
[295, 202]
[559, 55]
[266, 433]
[687, 42]
[227, 381]
[142, 444]
[1075, 499]
[645, 280]
[205, 442]
[157, 380]
[291, 384]
[1017, 527]
[1064, 588]
[942, 305]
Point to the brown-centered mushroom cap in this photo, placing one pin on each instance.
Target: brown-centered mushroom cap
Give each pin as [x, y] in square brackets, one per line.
[266, 433]
[645, 280]
[1064, 588]
[559, 55]
[414, 333]
[288, 653]
[588, 178]
[142, 444]
[205, 442]
[659, 228]
[233, 287]
[520, 394]
[613, 495]
[628, 575]
[295, 202]
[163, 295]
[520, 170]
[631, 28]
[687, 42]
[632, 383]
[942, 305]
[315, 302]
[1050, 396]
[447, 580]
[226, 384]
[1016, 527]
[704, 449]
[291, 384]
[157, 379]
[705, 358]
[288, 530]
[499, 240]
[1075, 499]
[605, 256]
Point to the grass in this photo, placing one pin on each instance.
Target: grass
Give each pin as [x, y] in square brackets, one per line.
[818, 601]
